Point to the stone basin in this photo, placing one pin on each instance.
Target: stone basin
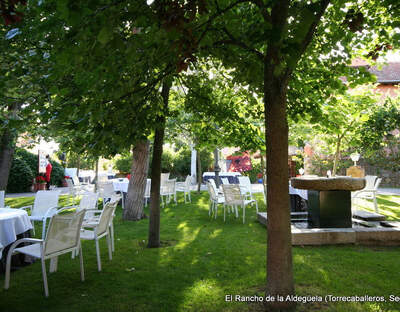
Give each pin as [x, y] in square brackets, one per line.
[328, 184]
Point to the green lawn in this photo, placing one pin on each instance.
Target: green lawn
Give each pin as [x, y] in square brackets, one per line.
[203, 260]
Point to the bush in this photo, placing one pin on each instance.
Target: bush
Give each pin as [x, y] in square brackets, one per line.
[26, 164]
[21, 176]
[124, 164]
[57, 174]
[252, 174]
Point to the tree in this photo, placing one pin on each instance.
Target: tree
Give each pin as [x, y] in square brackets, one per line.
[380, 135]
[268, 43]
[21, 87]
[338, 124]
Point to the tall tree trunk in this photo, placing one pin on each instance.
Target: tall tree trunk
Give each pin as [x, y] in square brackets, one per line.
[154, 222]
[137, 185]
[199, 170]
[7, 148]
[337, 154]
[279, 251]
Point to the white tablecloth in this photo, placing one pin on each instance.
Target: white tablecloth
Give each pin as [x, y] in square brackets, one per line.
[120, 185]
[212, 173]
[302, 193]
[12, 223]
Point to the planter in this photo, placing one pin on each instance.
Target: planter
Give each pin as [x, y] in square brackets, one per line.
[40, 187]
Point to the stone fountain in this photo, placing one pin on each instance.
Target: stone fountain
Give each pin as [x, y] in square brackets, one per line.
[329, 218]
[329, 200]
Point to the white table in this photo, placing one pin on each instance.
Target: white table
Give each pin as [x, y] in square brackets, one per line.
[12, 223]
[120, 185]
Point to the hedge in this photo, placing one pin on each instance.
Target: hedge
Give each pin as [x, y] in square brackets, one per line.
[24, 169]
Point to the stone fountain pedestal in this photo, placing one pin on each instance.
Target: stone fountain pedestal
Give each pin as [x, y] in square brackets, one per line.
[329, 200]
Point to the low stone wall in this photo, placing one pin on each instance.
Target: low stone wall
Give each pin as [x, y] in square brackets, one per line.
[389, 178]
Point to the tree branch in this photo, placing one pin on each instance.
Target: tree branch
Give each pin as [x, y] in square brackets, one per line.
[310, 33]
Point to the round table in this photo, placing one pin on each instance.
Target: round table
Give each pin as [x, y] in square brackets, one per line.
[12, 223]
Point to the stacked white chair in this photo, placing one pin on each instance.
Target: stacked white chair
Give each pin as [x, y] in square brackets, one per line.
[234, 197]
[168, 189]
[245, 188]
[215, 197]
[63, 236]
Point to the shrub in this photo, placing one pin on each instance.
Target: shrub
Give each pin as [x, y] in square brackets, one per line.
[30, 169]
[57, 174]
[124, 164]
[21, 176]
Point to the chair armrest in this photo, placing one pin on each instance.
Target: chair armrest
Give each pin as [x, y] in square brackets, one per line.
[49, 211]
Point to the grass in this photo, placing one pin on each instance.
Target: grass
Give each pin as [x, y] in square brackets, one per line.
[201, 261]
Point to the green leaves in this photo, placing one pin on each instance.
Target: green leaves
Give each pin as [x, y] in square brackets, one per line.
[105, 35]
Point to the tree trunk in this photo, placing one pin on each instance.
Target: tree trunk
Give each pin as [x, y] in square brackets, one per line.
[279, 249]
[137, 185]
[7, 148]
[199, 170]
[337, 154]
[154, 222]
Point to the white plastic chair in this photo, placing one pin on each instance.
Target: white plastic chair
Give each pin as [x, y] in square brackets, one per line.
[215, 197]
[185, 187]
[44, 207]
[73, 191]
[147, 191]
[100, 229]
[245, 188]
[168, 189]
[164, 177]
[89, 201]
[370, 190]
[62, 237]
[106, 191]
[234, 198]
[2, 195]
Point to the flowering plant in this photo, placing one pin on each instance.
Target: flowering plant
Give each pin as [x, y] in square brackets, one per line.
[259, 175]
[40, 179]
[67, 177]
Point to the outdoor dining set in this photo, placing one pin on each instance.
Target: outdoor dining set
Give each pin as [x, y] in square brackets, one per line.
[66, 228]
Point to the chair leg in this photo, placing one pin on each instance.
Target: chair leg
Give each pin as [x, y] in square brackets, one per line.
[244, 212]
[53, 265]
[81, 263]
[190, 199]
[256, 205]
[44, 228]
[46, 287]
[112, 236]
[98, 255]
[8, 268]
[224, 211]
[375, 203]
[33, 227]
[109, 246]
[216, 209]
